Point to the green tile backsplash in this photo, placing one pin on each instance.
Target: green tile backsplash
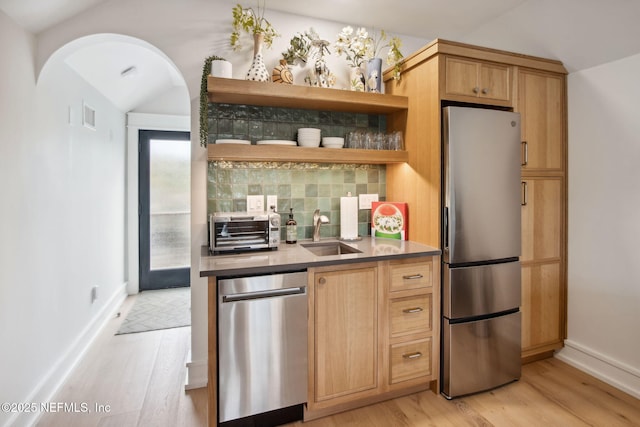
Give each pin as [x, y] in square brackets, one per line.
[303, 186]
[255, 123]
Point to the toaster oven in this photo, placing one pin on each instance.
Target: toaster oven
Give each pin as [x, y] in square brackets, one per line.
[240, 231]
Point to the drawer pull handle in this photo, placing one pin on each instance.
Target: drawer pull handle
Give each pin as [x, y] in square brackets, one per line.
[413, 276]
[412, 355]
[412, 310]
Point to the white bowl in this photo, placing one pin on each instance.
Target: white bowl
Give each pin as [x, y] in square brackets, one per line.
[332, 141]
[309, 130]
[302, 142]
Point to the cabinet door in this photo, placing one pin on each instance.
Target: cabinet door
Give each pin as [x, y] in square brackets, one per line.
[542, 307]
[495, 82]
[461, 77]
[345, 334]
[541, 105]
[476, 79]
[542, 208]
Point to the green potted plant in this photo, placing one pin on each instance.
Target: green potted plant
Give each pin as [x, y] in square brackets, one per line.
[246, 19]
[299, 47]
[204, 99]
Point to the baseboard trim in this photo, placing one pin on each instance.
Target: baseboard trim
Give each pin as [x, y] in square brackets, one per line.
[58, 374]
[197, 375]
[613, 372]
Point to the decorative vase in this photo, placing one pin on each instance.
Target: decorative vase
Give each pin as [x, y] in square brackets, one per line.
[356, 79]
[258, 71]
[282, 73]
[374, 75]
[220, 68]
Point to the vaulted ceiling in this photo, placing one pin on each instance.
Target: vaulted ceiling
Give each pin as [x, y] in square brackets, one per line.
[580, 33]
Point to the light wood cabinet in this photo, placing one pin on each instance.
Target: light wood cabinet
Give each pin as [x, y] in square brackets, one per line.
[445, 72]
[412, 310]
[477, 80]
[542, 308]
[374, 332]
[541, 105]
[345, 334]
[542, 216]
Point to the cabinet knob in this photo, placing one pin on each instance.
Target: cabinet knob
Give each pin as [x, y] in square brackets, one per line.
[322, 280]
[413, 276]
[476, 89]
[412, 310]
[485, 91]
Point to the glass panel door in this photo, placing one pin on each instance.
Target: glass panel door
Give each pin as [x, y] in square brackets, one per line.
[165, 190]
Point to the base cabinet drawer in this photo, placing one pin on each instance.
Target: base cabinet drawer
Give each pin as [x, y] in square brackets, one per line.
[410, 315]
[410, 275]
[410, 360]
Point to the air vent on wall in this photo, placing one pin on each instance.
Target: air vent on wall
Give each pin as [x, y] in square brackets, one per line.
[88, 116]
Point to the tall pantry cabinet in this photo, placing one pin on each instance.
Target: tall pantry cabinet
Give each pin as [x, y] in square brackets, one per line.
[450, 73]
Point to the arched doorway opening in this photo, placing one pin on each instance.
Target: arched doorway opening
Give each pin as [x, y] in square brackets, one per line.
[110, 87]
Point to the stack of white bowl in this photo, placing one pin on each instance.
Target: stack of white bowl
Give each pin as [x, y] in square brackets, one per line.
[309, 137]
[332, 142]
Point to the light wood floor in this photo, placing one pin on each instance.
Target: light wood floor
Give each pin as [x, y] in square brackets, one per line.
[141, 376]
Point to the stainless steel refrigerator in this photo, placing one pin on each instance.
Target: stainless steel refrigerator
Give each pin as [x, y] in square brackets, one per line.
[481, 246]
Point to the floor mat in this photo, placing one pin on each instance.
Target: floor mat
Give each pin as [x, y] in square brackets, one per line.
[161, 309]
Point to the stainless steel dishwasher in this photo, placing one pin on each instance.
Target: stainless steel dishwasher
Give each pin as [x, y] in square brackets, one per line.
[262, 349]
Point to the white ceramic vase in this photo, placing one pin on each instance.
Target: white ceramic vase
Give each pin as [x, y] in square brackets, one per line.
[356, 79]
[258, 70]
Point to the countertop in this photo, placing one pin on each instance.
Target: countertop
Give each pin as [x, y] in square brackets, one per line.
[290, 257]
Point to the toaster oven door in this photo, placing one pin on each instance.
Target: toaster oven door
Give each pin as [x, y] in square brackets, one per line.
[240, 235]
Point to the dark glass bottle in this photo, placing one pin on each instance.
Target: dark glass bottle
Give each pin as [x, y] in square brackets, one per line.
[292, 228]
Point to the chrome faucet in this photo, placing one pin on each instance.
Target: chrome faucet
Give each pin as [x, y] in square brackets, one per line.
[318, 220]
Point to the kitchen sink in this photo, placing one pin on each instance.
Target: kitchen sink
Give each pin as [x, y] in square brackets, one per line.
[330, 248]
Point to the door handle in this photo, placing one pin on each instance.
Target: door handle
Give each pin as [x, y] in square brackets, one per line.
[446, 228]
[525, 150]
[413, 276]
[415, 355]
[524, 194]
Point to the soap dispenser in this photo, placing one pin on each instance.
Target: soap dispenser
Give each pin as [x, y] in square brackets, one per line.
[292, 228]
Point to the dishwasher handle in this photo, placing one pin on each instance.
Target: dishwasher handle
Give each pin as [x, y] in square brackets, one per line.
[264, 294]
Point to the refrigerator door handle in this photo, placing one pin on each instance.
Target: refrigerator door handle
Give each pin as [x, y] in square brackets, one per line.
[446, 228]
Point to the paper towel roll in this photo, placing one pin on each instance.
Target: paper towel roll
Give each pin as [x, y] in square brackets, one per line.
[348, 218]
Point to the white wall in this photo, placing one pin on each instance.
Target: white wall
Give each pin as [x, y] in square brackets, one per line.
[604, 223]
[62, 220]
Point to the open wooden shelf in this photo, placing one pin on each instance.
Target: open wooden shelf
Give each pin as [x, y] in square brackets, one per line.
[284, 153]
[235, 91]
